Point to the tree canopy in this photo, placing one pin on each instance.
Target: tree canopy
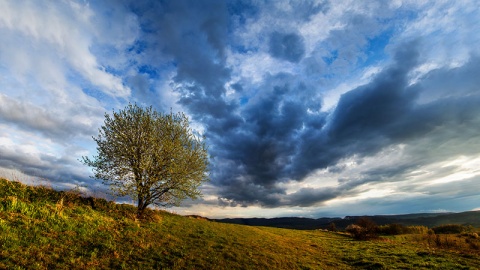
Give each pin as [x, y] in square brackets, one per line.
[152, 157]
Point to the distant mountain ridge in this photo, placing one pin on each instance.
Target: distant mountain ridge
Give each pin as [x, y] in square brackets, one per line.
[424, 219]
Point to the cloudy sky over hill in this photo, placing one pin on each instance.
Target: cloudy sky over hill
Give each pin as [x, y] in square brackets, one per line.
[310, 108]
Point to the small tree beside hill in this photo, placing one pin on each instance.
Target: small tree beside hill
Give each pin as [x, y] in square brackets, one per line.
[151, 157]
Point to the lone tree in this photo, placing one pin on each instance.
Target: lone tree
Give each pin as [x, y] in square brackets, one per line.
[152, 157]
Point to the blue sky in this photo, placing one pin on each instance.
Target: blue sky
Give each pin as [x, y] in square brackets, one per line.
[310, 108]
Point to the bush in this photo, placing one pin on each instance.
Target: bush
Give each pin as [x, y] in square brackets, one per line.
[471, 235]
[355, 230]
[417, 229]
[332, 227]
[392, 229]
[396, 229]
[449, 229]
[364, 229]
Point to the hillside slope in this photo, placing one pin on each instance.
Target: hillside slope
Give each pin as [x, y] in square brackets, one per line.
[426, 219]
[44, 229]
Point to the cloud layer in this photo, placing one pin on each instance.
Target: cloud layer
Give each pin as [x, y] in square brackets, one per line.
[306, 106]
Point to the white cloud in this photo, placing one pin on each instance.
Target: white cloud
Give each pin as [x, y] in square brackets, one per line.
[60, 31]
[448, 31]
[464, 168]
[254, 66]
[45, 61]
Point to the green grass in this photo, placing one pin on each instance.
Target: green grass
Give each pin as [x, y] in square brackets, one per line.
[44, 229]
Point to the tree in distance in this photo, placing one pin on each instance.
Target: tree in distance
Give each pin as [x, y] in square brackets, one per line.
[153, 158]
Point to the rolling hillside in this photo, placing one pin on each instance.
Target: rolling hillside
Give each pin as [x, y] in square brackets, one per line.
[425, 219]
[44, 229]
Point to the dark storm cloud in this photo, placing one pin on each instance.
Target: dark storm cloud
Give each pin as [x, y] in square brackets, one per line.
[193, 35]
[254, 158]
[242, 10]
[432, 131]
[254, 143]
[276, 137]
[310, 196]
[281, 140]
[279, 134]
[362, 120]
[289, 46]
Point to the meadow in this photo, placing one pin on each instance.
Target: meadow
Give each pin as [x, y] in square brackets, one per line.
[41, 228]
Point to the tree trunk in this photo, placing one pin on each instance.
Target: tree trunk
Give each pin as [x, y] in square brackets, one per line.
[140, 207]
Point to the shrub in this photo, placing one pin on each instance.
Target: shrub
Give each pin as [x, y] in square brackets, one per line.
[364, 229]
[392, 229]
[332, 227]
[355, 230]
[417, 229]
[472, 235]
[449, 229]
[396, 229]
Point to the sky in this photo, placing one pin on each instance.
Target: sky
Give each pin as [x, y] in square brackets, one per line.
[309, 108]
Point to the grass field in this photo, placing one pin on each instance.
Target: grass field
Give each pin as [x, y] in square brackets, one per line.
[44, 229]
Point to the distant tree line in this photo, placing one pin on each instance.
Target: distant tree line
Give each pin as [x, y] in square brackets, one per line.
[367, 229]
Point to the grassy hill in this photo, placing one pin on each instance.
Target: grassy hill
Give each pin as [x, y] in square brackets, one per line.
[44, 229]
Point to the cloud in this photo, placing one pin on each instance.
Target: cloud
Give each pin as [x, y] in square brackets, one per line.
[256, 155]
[193, 35]
[65, 27]
[281, 140]
[57, 168]
[288, 47]
[303, 103]
[443, 129]
[361, 120]
[279, 134]
[30, 117]
[54, 86]
[306, 197]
